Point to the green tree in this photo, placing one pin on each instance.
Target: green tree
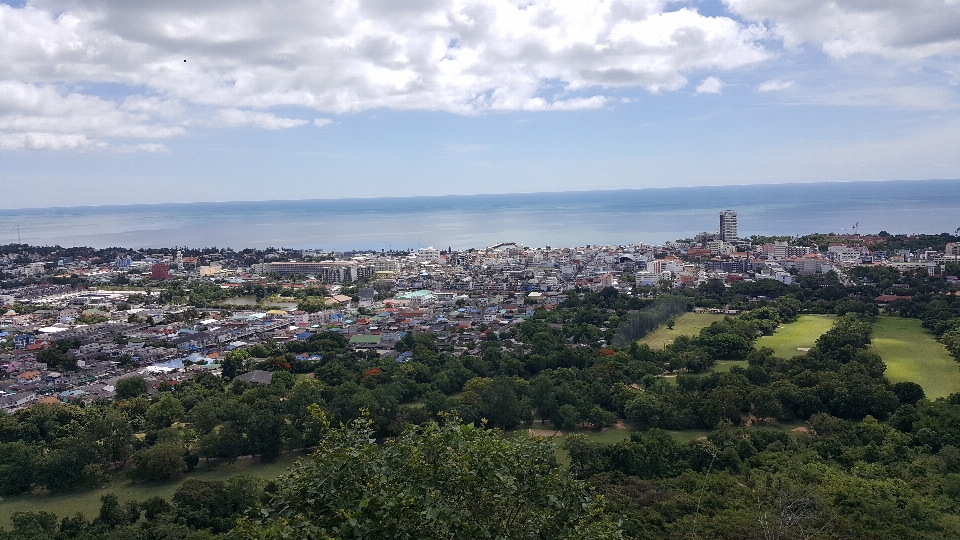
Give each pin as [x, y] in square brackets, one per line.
[646, 410]
[434, 481]
[600, 418]
[113, 434]
[542, 398]
[164, 412]
[74, 461]
[566, 418]
[225, 442]
[163, 461]
[18, 467]
[500, 406]
[234, 362]
[112, 514]
[131, 387]
[33, 525]
[201, 505]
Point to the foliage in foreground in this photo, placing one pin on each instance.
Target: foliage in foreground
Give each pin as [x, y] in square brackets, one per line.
[433, 481]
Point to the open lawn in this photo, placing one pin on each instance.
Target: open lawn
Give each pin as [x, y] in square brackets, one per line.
[608, 435]
[802, 333]
[688, 324]
[88, 502]
[912, 354]
[722, 366]
[545, 429]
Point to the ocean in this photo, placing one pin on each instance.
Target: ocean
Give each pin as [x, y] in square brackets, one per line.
[534, 219]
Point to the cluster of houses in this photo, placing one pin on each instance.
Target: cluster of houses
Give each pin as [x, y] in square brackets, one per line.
[458, 296]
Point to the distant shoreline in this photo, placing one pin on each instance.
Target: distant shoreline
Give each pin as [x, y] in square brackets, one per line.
[865, 183]
[649, 215]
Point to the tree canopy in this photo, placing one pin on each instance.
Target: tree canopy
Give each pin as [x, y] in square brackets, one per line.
[436, 480]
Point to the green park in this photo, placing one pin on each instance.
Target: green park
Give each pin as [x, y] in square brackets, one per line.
[606, 410]
[792, 339]
[126, 489]
[688, 324]
[912, 354]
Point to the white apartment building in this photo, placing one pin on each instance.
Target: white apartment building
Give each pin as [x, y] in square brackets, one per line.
[429, 254]
[728, 226]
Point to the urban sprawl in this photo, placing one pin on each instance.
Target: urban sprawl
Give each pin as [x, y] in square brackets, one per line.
[76, 320]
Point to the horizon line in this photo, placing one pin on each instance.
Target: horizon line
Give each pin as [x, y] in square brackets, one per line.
[465, 195]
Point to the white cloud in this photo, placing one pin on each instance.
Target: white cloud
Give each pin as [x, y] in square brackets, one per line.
[903, 30]
[320, 122]
[44, 141]
[245, 57]
[774, 85]
[710, 85]
[460, 56]
[237, 117]
[41, 117]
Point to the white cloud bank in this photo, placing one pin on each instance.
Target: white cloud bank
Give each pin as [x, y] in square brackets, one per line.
[224, 63]
[896, 29]
[235, 59]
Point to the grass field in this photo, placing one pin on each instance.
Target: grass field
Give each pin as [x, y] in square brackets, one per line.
[88, 502]
[609, 435]
[723, 366]
[801, 333]
[912, 354]
[688, 324]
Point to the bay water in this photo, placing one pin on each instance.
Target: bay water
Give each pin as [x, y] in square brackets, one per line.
[533, 219]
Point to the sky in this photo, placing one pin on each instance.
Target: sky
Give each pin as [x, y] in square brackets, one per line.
[119, 102]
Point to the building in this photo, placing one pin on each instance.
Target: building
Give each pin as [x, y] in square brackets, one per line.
[23, 341]
[732, 266]
[367, 296]
[719, 247]
[159, 272]
[429, 253]
[210, 270]
[15, 401]
[781, 249]
[326, 271]
[257, 376]
[365, 341]
[384, 264]
[728, 226]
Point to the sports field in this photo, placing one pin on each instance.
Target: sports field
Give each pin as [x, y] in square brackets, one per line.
[688, 324]
[802, 333]
[912, 354]
[88, 502]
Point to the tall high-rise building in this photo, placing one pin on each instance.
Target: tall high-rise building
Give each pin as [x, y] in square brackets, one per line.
[728, 226]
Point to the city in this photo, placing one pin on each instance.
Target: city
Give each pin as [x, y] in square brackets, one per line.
[114, 310]
[480, 269]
